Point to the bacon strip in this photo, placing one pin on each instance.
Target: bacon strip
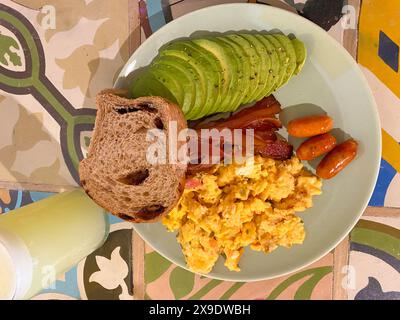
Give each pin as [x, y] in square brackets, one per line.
[261, 118]
[266, 107]
[278, 150]
[252, 117]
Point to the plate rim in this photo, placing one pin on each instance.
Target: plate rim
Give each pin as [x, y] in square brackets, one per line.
[370, 97]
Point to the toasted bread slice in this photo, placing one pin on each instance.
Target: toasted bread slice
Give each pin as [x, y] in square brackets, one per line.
[116, 173]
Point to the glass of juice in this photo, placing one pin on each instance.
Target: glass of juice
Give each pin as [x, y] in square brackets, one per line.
[44, 239]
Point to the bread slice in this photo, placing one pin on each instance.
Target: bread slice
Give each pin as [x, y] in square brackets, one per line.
[116, 174]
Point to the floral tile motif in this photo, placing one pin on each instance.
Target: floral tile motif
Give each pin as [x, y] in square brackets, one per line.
[47, 116]
[106, 274]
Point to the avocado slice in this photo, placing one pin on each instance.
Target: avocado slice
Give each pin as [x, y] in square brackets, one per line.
[255, 62]
[275, 66]
[301, 54]
[282, 59]
[265, 65]
[245, 70]
[213, 70]
[229, 67]
[147, 85]
[182, 71]
[186, 51]
[237, 77]
[290, 56]
[177, 83]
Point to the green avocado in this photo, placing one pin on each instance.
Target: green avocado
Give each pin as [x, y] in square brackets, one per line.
[237, 74]
[290, 56]
[301, 54]
[213, 70]
[187, 51]
[245, 69]
[183, 72]
[282, 59]
[148, 85]
[273, 72]
[255, 64]
[178, 83]
[229, 68]
[220, 73]
[265, 65]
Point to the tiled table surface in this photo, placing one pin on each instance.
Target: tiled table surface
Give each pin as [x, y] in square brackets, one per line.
[84, 53]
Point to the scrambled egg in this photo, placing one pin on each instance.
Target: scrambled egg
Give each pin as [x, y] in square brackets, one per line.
[233, 206]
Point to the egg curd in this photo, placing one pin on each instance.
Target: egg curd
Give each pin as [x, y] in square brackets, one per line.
[233, 206]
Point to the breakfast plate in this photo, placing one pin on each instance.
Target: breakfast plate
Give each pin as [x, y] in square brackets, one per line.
[330, 83]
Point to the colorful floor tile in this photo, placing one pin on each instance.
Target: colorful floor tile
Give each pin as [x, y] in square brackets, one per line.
[374, 264]
[46, 123]
[378, 53]
[165, 280]
[48, 118]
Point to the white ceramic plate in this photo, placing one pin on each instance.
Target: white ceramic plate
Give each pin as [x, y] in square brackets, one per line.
[332, 82]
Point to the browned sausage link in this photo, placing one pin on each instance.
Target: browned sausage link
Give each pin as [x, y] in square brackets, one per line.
[316, 146]
[336, 160]
[310, 126]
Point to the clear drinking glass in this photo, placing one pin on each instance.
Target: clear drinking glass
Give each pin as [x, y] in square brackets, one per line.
[42, 240]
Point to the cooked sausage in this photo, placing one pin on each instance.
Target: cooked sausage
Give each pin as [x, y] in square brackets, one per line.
[336, 160]
[310, 126]
[316, 146]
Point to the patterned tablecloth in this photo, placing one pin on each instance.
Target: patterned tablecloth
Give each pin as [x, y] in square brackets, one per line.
[56, 55]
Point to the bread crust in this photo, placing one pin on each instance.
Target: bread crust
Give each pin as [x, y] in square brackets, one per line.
[101, 186]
